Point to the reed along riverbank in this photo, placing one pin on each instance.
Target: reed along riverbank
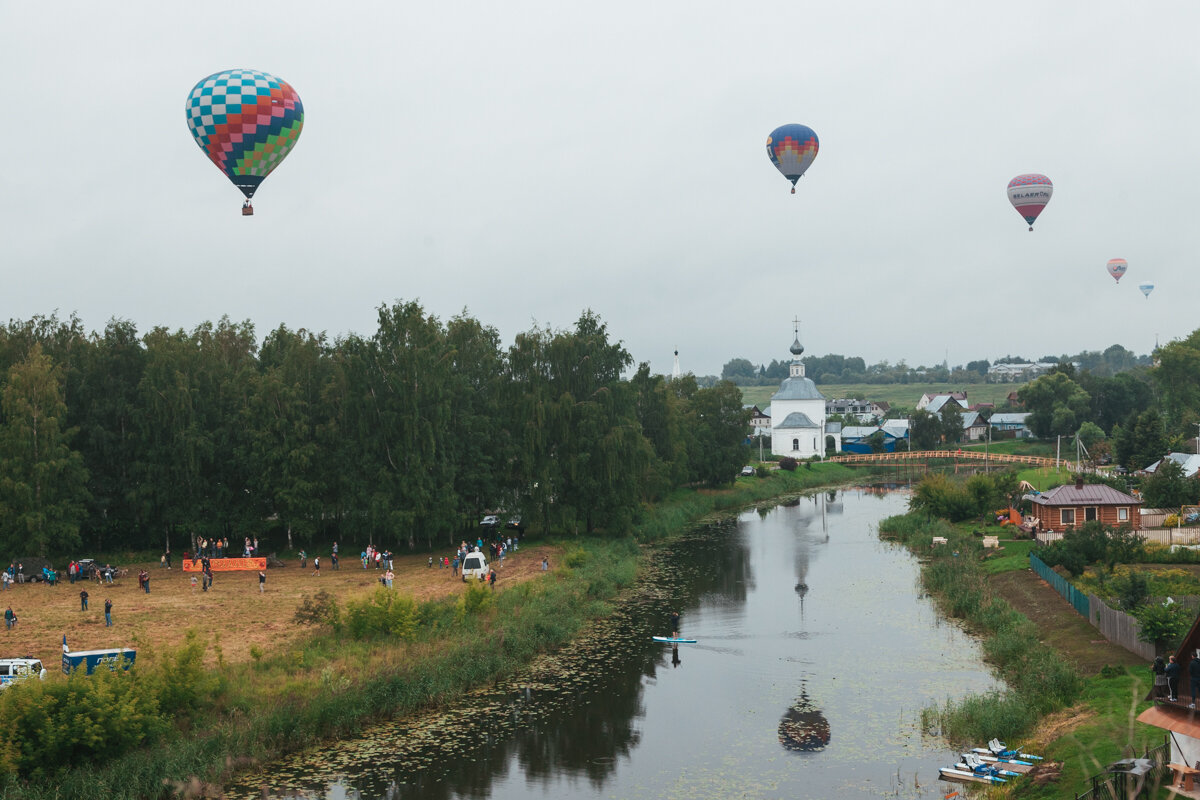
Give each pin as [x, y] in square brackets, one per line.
[1084, 721]
[405, 656]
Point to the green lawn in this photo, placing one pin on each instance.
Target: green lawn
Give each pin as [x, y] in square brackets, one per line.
[897, 394]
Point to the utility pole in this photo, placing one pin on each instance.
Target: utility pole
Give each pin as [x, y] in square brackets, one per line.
[1057, 452]
[987, 447]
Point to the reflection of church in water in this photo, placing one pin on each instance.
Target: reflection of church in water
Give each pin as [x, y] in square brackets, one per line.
[803, 726]
[798, 426]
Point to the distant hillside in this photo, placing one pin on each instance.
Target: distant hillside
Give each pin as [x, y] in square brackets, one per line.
[905, 395]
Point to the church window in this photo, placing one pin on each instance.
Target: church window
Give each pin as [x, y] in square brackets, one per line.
[795, 444]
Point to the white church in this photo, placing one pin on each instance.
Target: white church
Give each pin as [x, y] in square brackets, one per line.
[798, 426]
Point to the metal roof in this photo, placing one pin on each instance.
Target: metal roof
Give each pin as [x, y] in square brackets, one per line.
[797, 389]
[1096, 494]
[797, 419]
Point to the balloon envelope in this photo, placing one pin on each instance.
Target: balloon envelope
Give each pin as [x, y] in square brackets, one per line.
[246, 122]
[1117, 268]
[792, 149]
[1146, 288]
[1029, 194]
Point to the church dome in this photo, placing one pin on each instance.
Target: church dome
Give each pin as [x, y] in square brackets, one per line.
[797, 349]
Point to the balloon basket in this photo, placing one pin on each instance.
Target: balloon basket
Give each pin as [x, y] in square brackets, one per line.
[248, 211]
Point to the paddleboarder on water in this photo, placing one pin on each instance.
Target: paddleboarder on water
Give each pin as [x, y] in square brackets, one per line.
[674, 624]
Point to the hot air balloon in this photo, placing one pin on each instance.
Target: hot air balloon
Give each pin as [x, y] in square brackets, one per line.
[246, 122]
[1117, 268]
[1146, 289]
[792, 149]
[1029, 195]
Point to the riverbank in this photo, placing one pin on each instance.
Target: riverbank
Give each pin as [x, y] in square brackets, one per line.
[1072, 696]
[327, 684]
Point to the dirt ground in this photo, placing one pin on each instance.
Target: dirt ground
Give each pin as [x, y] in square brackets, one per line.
[232, 608]
[1061, 626]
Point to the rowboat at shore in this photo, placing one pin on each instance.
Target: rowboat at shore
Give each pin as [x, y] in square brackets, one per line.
[985, 768]
[997, 748]
[1016, 765]
[954, 774]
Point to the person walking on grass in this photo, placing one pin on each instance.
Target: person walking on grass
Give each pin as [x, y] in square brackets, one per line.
[262, 581]
[107, 613]
[10, 619]
[83, 596]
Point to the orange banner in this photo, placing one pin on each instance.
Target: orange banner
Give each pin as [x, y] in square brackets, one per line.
[226, 564]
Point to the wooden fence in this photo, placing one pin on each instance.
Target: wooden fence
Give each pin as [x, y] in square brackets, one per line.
[1119, 628]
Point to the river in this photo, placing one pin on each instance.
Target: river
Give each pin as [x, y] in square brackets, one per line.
[816, 652]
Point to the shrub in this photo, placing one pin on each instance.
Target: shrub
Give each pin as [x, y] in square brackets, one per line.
[788, 463]
[319, 609]
[50, 725]
[182, 682]
[1163, 625]
[1171, 521]
[383, 612]
[476, 600]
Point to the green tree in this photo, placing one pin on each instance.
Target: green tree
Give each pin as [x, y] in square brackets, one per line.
[1169, 488]
[739, 370]
[720, 423]
[43, 483]
[1163, 625]
[952, 422]
[925, 430]
[1057, 405]
[1090, 433]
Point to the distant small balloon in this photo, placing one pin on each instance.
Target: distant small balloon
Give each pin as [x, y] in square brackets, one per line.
[1117, 267]
[792, 149]
[1029, 194]
[1146, 289]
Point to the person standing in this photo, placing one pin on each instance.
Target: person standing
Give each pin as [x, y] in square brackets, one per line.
[674, 624]
[1160, 677]
[492, 579]
[1194, 674]
[10, 619]
[1172, 673]
[334, 556]
[303, 560]
[316, 566]
[388, 577]
[262, 581]
[146, 583]
[107, 613]
[83, 596]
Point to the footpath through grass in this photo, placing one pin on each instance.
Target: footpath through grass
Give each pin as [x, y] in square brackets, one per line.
[329, 683]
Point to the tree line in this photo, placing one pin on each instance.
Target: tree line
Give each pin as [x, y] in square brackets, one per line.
[120, 440]
[835, 368]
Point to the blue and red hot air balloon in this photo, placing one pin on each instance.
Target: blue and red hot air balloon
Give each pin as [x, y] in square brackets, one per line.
[246, 122]
[1029, 194]
[792, 149]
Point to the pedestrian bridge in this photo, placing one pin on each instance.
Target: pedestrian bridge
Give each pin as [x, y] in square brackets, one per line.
[958, 456]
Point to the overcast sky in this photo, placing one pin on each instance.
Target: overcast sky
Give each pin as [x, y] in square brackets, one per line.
[526, 161]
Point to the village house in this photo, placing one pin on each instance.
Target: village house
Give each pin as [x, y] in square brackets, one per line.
[933, 402]
[1069, 506]
[759, 420]
[975, 427]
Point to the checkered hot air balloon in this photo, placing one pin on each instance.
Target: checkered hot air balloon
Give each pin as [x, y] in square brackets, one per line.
[792, 149]
[1029, 195]
[246, 122]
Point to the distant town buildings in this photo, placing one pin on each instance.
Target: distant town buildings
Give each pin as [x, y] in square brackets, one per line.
[1018, 372]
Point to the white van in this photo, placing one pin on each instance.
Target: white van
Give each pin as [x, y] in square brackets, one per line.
[474, 565]
[15, 669]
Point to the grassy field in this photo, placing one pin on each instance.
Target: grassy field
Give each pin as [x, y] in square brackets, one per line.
[233, 610]
[897, 394]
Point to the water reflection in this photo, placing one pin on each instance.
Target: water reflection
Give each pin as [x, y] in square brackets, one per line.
[803, 727]
[608, 717]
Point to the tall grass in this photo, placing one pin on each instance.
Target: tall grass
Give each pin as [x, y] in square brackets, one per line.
[1038, 680]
